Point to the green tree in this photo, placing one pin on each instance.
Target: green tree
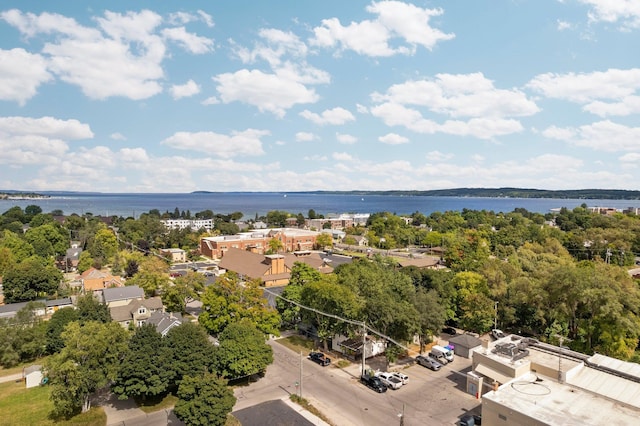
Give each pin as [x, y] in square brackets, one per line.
[20, 248]
[228, 300]
[177, 293]
[275, 246]
[146, 369]
[55, 326]
[301, 274]
[30, 280]
[242, 351]
[152, 276]
[105, 245]
[204, 400]
[431, 315]
[90, 309]
[89, 361]
[324, 240]
[85, 262]
[191, 351]
[22, 337]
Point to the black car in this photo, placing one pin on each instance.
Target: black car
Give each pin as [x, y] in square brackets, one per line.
[450, 331]
[320, 358]
[428, 362]
[374, 383]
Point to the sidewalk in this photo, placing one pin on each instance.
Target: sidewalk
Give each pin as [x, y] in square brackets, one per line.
[11, 378]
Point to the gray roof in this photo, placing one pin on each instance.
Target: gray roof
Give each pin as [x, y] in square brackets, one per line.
[466, 341]
[66, 301]
[164, 321]
[125, 313]
[10, 310]
[122, 293]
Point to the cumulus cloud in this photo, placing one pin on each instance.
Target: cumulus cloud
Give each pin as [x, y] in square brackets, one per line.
[189, 41]
[397, 29]
[599, 136]
[393, 139]
[625, 12]
[267, 92]
[247, 142]
[437, 156]
[117, 136]
[305, 137]
[341, 156]
[346, 139]
[335, 116]
[21, 73]
[121, 56]
[604, 93]
[564, 25]
[181, 18]
[472, 96]
[188, 89]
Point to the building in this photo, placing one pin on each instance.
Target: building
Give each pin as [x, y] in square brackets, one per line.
[174, 254]
[96, 280]
[165, 321]
[274, 269]
[465, 344]
[136, 311]
[533, 383]
[257, 241]
[121, 296]
[32, 375]
[193, 224]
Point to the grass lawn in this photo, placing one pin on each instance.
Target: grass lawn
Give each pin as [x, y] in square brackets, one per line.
[18, 368]
[151, 405]
[21, 406]
[297, 343]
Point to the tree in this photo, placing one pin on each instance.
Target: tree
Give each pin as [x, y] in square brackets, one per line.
[55, 327]
[204, 400]
[22, 337]
[324, 240]
[431, 315]
[146, 369]
[191, 351]
[89, 361]
[177, 293]
[105, 245]
[48, 240]
[90, 309]
[20, 248]
[301, 274]
[228, 300]
[152, 275]
[85, 262]
[275, 246]
[242, 351]
[30, 280]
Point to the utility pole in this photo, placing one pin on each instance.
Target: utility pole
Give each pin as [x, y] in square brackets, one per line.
[364, 347]
[495, 318]
[300, 374]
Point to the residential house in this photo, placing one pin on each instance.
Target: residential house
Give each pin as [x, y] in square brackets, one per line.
[174, 254]
[428, 262]
[10, 310]
[273, 270]
[96, 280]
[54, 305]
[465, 344]
[136, 311]
[352, 348]
[165, 321]
[121, 296]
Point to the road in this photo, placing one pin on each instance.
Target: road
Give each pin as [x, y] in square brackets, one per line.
[429, 398]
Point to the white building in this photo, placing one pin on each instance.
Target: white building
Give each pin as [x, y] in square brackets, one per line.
[193, 224]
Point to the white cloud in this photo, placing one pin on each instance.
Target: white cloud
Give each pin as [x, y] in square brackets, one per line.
[346, 139]
[591, 89]
[600, 136]
[243, 143]
[191, 42]
[188, 89]
[335, 116]
[393, 139]
[626, 12]
[341, 156]
[305, 137]
[21, 73]
[564, 25]
[45, 126]
[181, 18]
[267, 92]
[134, 155]
[437, 156]
[632, 158]
[212, 100]
[395, 21]
[118, 136]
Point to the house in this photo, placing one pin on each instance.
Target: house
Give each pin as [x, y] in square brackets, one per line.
[54, 305]
[165, 321]
[465, 344]
[32, 375]
[121, 296]
[174, 254]
[96, 280]
[428, 262]
[352, 348]
[11, 310]
[273, 269]
[136, 311]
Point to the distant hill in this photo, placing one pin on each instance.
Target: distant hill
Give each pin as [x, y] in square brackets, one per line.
[586, 194]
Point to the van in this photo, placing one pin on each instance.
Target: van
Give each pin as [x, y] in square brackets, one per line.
[442, 352]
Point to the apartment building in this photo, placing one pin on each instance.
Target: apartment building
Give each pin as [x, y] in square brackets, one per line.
[257, 241]
[193, 224]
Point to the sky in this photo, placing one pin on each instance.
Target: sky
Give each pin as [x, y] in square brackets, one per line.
[293, 95]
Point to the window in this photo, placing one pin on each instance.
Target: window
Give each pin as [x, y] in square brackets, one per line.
[140, 323]
[142, 311]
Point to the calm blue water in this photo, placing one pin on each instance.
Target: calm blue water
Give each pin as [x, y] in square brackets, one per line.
[251, 204]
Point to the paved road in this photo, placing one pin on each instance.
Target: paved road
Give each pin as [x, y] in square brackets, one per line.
[429, 398]
[11, 378]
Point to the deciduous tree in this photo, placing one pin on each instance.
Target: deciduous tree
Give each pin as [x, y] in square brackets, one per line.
[242, 351]
[204, 400]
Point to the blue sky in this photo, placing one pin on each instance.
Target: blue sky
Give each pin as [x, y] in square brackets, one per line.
[294, 95]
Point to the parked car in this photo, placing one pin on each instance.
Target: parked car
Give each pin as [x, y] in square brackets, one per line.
[497, 334]
[390, 380]
[320, 358]
[470, 420]
[373, 382]
[403, 377]
[428, 362]
[450, 331]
